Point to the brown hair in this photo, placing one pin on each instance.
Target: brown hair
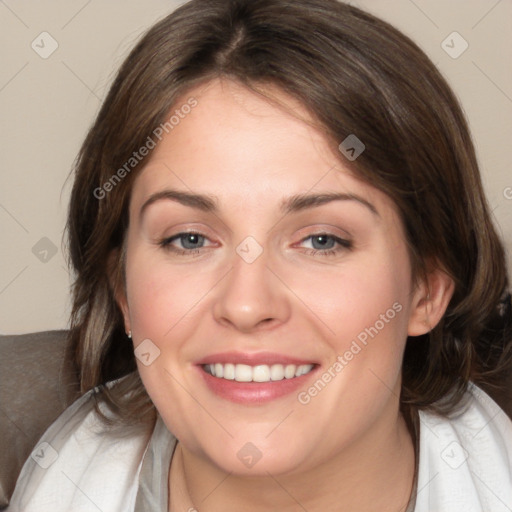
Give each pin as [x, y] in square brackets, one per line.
[356, 74]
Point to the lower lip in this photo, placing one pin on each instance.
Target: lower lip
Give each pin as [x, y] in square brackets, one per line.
[253, 392]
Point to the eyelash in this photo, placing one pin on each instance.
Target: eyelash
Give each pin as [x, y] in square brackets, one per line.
[343, 244]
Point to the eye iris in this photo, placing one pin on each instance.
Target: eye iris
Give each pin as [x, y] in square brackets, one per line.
[323, 241]
[190, 240]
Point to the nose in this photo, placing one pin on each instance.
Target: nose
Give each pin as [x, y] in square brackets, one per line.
[251, 297]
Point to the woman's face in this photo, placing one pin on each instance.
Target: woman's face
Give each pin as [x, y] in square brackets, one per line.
[298, 301]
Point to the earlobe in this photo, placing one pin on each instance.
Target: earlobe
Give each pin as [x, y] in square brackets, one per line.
[122, 302]
[431, 298]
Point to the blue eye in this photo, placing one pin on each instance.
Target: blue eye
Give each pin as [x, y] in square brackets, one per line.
[191, 243]
[326, 244]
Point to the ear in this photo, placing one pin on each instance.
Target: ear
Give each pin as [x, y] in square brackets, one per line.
[430, 300]
[117, 286]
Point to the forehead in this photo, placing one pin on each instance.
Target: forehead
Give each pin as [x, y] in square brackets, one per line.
[236, 145]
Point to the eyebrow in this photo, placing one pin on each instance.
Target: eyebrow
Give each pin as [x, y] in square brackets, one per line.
[291, 204]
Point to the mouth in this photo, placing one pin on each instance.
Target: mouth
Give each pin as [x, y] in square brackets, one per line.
[259, 373]
[254, 379]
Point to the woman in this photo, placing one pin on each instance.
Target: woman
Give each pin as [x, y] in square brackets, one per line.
[287, 280]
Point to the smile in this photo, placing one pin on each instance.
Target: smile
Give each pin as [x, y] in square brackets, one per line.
[258, 373]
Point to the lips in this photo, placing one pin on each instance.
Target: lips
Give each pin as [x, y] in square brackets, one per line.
[254, 378]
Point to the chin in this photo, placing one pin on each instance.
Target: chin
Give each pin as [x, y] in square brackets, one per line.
[258, 458]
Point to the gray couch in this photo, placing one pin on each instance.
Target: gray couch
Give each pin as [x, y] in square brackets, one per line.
[37, 383]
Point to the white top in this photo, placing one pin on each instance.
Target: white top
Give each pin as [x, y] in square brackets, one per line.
[465, 463]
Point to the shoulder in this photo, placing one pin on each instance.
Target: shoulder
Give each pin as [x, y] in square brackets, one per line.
[79, 465]
[465, 461]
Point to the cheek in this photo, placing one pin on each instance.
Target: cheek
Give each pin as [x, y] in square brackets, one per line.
[366, 310]
[363, 295]
[160, 295]
[163, 301]
[366, 313]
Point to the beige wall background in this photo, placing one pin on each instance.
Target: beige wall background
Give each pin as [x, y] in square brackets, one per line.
[59, 57]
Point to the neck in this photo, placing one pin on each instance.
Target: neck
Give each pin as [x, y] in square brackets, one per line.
[375, 473]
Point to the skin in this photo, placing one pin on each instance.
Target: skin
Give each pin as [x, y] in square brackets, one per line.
[348, 448]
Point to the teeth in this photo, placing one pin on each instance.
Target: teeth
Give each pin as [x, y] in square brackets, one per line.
[289, 371]
[243, 373]
[259, 373]
[219, 370]
[277, 372]
[229, 371]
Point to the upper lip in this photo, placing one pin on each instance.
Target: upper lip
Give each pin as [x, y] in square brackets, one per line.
[253, 359]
